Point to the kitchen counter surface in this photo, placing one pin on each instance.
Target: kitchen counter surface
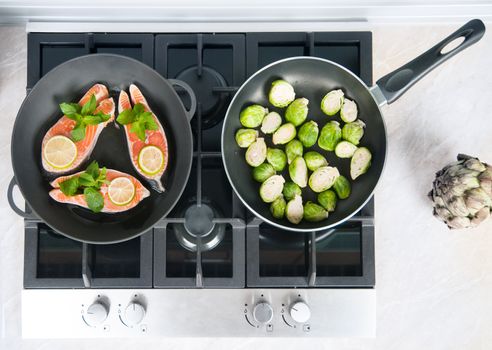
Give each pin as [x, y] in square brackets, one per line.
[434, 286]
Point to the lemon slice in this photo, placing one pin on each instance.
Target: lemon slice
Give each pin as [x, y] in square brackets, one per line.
[121, 190]
[150, 160]
[60, 152]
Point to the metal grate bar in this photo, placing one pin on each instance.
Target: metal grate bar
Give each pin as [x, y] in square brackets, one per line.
[310, 43]
[86, 270]
[199, 52]
[199, 159]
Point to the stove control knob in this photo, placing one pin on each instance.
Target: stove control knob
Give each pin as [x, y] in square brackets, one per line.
[134, 314]
[95, 314]
[263, 312]
[300, 312]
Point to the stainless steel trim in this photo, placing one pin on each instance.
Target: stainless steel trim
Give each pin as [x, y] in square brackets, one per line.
[378, 95]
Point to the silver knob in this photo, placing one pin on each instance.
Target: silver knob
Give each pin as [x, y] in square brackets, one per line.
[95, 314]
[263, 312]
[134, 314]
[300, 312]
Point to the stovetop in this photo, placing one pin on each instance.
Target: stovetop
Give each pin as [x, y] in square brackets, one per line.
[240, 250]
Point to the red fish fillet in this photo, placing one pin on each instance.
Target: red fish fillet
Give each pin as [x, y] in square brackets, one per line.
[65, 125]
[109, 207]
[152, 137]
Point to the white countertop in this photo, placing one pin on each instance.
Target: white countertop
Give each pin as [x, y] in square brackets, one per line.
[434, 286]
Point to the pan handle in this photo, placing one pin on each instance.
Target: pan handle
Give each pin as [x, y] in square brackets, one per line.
[191, 112]
[10, 197]
[394, 84]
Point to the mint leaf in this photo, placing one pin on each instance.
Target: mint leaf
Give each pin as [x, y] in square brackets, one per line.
[138, 109]
[69, 187]
[90, 106]
[69, 108]
[94, 199]
[126, 117]
[78, 133]
[92, 119]
[148, 119]
[104, 117]
[86, 180]
[138, 129]
[93, 170]
[75, 116]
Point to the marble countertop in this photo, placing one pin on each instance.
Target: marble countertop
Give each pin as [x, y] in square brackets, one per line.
[434, 286]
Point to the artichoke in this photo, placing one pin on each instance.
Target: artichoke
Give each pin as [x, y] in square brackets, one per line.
[252, 116]
[281, 94]
[297, 111]
[462, 193]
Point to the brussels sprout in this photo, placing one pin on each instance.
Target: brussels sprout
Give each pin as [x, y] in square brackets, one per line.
[293, 149]
[284, 134]
[297, 111]
[308, 133]
[263, 172]
[294, 210]
[281, 94]
[291, 190]
[332, 102]
[328, 199]
[330, 135]
[245, 137]
[277, 158]
[256, 153]
[323, 178]
[314, 160]
[298, 172]
[345, 149]
[353, 132]
[271, 122]
[272, 188]
[360, 162]
[314, 212]
[277, 208]
[342, 187]
[348, 113]
[252, 116]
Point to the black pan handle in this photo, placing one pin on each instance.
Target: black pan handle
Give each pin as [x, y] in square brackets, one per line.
[191, 112]
[394, 84]
[10, 197]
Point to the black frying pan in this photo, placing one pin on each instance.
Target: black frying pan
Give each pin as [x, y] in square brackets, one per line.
[67, 83]
[312, 78]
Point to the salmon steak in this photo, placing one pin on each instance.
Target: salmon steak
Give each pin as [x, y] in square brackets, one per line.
[155, 137]
[140, 192]
[65, 125]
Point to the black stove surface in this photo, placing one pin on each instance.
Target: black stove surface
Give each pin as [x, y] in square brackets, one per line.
[237, 249]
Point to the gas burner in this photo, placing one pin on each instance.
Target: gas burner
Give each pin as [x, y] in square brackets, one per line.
[202, 82]
[199, 227]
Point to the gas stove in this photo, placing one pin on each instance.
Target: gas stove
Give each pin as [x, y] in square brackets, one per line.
[210, 268]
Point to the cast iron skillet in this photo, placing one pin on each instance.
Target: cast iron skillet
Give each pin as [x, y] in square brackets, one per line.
[313, 78]
[67, 83]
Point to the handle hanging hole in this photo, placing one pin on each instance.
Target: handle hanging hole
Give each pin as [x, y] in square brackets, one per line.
[452, 45]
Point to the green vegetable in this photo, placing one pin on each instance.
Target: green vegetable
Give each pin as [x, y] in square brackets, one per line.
[277, 158]
[314, 160]
[360, 162]
[297, 111]
[293, 149]
[353, 132]
[345, 149]
[263, 172]
[294, 210]
[139, 119]
[277, 208]
[83, 116]
[323, 178]
[88, 183]
[328, 199]
[252, 116]
[281, 94]
[291, 190]
[245, 137]
[342, 187]
[256, 153]
[308, 133]
[298, 172]
[332, 102]
[314, 212]
[284, 134]
[330, 135]
[272, 188]
[271, 122]
[348, 113]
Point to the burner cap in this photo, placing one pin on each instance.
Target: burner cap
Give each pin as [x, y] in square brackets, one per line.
[211, 103]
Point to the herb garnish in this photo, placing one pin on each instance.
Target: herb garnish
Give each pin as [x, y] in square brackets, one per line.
[83, 116]
[88, 183]
[139, 119]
